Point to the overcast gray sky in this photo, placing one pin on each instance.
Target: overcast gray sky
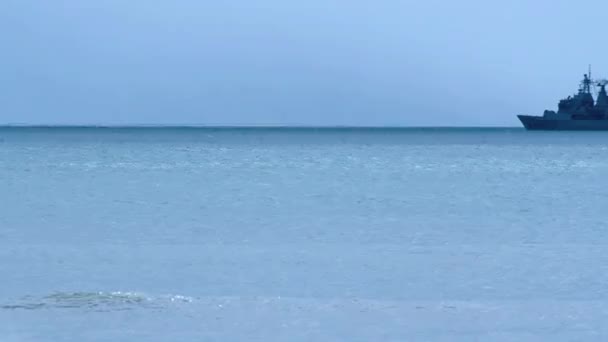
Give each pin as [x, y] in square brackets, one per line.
[313, 62]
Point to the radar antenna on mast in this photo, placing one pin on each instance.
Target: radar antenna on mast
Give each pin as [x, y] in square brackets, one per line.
[602, 83]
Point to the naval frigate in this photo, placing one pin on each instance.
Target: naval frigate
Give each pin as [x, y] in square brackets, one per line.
[579, 112]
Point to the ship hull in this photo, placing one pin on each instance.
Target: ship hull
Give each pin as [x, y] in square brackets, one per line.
[539, 123]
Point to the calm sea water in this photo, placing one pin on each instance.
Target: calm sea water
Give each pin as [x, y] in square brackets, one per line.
[164, 234]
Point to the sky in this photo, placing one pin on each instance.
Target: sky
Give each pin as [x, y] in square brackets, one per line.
[280, 62]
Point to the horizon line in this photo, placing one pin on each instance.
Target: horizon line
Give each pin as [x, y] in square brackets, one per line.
[123, 126]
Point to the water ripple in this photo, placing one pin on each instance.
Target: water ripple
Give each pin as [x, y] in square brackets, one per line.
[96, 301]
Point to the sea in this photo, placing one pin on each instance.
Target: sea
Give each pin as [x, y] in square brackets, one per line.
[302, 234]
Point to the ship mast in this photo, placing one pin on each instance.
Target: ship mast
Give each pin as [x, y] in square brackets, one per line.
[586, 84]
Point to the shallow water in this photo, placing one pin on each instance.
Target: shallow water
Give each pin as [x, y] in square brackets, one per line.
[303, 234]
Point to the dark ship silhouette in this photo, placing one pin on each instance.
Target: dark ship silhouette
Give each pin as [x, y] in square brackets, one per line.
[579, 112]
